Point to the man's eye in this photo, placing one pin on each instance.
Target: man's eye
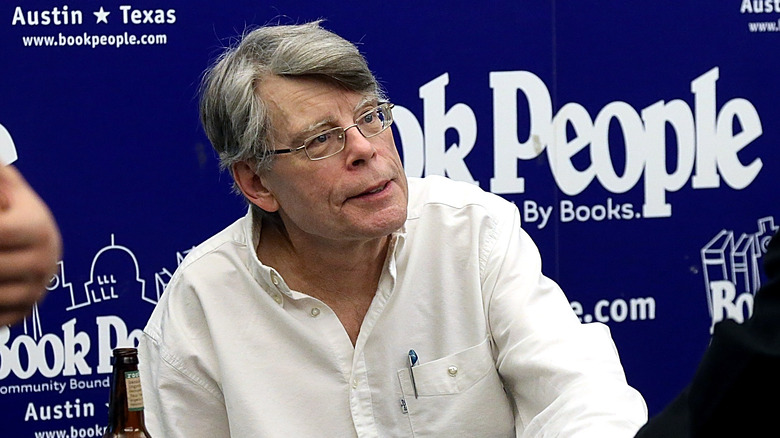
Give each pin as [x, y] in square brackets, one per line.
[322, 138]
[368, 118]
[321, 141]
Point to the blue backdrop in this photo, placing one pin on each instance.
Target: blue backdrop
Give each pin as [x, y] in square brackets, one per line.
[638, 140]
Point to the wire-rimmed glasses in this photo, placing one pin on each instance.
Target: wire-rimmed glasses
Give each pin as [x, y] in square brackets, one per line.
[330, 142]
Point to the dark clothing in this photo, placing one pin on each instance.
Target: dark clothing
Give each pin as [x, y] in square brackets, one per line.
[736, 389]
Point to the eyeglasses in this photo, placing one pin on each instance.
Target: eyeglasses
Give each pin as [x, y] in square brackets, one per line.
[329, 143]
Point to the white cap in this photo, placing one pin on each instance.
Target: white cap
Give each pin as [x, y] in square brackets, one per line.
[7, 149]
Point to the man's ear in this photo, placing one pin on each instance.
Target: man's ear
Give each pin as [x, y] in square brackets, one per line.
[252, 187]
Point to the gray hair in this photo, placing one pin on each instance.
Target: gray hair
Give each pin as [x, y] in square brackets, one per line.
[234, 117]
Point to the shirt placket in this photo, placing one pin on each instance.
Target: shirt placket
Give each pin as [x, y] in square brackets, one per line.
[361, 403]
[360, 399]
[352, 361]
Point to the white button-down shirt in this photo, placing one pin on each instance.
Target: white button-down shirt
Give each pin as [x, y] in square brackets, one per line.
[231, 350]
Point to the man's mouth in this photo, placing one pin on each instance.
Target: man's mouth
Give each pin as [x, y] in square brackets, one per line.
[373, 191]
[377, 190]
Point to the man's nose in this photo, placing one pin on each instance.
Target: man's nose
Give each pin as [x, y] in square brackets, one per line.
[358, 148]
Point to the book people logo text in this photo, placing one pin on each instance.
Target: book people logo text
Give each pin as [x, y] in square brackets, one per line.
[732, 270]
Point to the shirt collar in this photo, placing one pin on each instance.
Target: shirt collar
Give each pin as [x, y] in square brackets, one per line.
[269, 279]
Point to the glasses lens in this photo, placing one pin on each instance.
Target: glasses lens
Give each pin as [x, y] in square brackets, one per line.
[375, 121]
[331, 142]
[325, 144]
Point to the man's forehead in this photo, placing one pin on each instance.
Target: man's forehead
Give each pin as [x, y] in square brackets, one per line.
[301, 103]
[306, 91]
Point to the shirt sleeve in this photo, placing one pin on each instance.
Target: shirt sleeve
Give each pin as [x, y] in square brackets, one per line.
[565, 377]
[176, 403]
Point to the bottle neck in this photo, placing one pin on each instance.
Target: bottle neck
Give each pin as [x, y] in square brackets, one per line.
[126, 403]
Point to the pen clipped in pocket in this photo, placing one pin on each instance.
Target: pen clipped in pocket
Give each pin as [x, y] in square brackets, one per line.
[460, 394]
[449, 375]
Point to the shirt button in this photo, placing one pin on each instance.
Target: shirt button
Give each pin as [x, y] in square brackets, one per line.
[452, 370]
[277, 298]
[274, 278]
[354, 383]
[315, 312]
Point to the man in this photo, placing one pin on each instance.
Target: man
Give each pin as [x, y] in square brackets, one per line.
[30, 246]
[350, 301]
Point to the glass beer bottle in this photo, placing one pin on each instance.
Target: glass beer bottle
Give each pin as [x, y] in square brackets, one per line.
[126, 406]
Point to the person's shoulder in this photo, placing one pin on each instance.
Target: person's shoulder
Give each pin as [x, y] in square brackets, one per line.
[225, 243]
[200, 267]
[440, 190]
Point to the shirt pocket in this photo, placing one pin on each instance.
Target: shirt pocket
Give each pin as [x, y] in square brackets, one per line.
[457, 395]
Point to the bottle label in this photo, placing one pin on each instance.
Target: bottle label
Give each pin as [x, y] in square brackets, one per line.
[135, 398]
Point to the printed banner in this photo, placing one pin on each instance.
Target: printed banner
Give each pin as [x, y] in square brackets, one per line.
[636, 139]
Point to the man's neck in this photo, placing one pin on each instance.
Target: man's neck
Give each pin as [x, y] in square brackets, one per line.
[318, 268]
[344, 277]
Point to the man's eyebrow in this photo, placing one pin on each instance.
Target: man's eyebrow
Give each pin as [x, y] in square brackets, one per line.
[310, 130]
[364, 102]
